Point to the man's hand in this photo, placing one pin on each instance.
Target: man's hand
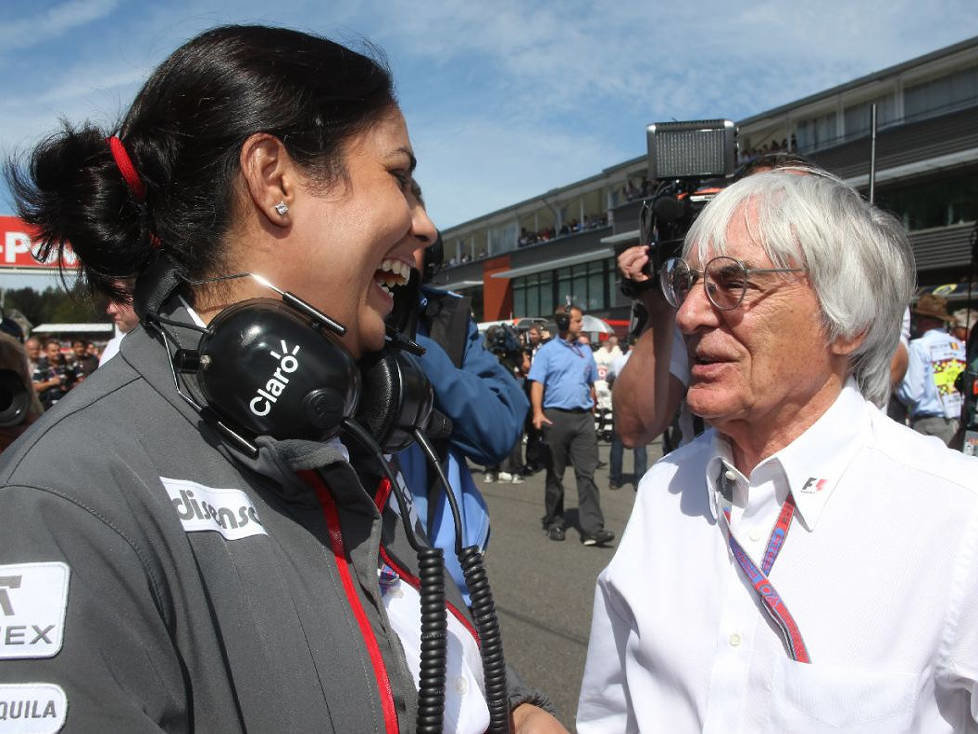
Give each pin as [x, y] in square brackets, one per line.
[530, 719]
[631, 262]
[536, 402]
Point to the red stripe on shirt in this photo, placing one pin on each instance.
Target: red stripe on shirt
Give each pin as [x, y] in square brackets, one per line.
[380, 497]
[332, 517]
[416, 583]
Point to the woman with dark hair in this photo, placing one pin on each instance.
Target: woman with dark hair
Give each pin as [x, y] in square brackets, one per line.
[162, 568]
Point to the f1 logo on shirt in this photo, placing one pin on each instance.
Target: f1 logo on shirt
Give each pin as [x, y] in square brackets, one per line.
[813, 485]
[33, 601]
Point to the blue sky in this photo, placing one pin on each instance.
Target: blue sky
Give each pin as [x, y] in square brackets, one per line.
[502, 103]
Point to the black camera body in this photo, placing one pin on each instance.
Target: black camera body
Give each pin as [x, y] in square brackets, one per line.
[691, 162]
[503, 341]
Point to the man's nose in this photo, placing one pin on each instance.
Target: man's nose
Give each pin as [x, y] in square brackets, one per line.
[696, 310]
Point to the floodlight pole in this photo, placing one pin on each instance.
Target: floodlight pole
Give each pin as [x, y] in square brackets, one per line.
[872, 154]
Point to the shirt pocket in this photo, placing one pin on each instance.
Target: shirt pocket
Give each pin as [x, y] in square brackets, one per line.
[830, 698]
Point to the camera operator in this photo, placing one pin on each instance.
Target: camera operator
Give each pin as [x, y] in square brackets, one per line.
[645, 408]
[53, 377]
[478, 395]
[503, 342]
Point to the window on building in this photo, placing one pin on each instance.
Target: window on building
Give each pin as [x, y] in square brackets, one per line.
[940, 203]
[579, 283]
[589, 285]
[519, 298]
[533, 295]
[940, 95]
[565, 285]
[817, 132]
[857, 119]
[547, 302]
[504, 238]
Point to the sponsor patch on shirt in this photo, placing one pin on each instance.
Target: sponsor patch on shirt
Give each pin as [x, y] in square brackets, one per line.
[33, 600]
[813, 485]
[229, 512]
[32, 708]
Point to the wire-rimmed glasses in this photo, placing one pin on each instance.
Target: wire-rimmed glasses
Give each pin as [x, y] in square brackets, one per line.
[725, 280]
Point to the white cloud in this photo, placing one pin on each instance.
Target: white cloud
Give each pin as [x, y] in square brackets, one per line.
[507, 100]
[53, 22]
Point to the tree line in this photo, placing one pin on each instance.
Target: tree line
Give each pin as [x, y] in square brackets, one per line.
[55, 305]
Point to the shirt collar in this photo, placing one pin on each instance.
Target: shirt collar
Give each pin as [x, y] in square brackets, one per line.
[812, 464]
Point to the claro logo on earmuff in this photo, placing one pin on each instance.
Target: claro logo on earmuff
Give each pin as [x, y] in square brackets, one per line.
[266, 397]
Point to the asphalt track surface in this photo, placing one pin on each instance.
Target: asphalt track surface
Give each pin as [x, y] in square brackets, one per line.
[544, 590]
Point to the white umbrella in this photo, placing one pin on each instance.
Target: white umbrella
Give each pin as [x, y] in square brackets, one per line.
[593, 323]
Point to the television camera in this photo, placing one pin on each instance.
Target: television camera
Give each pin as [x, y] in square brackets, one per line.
[689, 163]
[503, 341]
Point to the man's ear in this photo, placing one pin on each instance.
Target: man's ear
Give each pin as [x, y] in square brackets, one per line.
[269, 174]
[844, 346]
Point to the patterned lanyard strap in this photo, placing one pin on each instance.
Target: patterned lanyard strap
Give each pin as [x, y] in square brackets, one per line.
[773, 603]
[576, 348]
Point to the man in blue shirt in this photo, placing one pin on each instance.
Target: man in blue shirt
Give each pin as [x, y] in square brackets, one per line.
[929, 388]
[562, 398]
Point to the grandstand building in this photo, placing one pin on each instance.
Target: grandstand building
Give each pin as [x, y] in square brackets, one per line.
[527, 258]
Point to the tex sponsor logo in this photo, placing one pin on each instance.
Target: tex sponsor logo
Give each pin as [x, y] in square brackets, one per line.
[33, 600]
[229, 512]
[32, 708]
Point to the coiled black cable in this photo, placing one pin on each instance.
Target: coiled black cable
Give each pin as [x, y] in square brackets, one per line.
[483, 608]
[434, 635]
[434, 622]
[487, 623]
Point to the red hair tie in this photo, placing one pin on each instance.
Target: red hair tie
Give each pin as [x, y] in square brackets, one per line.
[126, 168]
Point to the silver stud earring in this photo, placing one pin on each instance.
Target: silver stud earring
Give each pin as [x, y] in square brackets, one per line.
[282, 208]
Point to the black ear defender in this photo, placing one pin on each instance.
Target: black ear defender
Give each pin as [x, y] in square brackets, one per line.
[265, 366]
[14, 399]
[397, 399]
[267, 369]
[562, 319]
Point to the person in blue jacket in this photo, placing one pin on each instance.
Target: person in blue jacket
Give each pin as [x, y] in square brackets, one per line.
[486, 405]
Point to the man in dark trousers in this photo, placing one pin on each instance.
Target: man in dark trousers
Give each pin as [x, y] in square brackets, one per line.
[562, 398]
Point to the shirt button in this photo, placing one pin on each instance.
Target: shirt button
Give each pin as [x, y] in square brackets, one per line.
[734, 640]
[755, 535]
[730, 475]
[461, 685]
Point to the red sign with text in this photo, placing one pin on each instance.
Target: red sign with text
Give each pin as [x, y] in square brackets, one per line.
[18, 250]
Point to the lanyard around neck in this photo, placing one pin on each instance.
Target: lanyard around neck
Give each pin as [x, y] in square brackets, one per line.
[576, 348]
[773, 604]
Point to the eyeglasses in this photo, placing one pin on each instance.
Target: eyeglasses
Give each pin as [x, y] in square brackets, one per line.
[725, 280]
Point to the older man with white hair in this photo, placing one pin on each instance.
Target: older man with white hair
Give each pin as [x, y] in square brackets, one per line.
[807, 564]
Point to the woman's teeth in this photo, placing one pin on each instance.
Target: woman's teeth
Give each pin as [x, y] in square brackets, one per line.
[392, 273]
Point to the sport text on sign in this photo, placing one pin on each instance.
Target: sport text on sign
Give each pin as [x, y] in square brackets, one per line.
[18, 249]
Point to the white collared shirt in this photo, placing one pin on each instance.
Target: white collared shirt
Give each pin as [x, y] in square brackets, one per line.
[466, 710]
[879, 570]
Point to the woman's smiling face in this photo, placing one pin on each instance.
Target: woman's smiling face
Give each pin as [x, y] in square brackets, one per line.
[350, 243]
